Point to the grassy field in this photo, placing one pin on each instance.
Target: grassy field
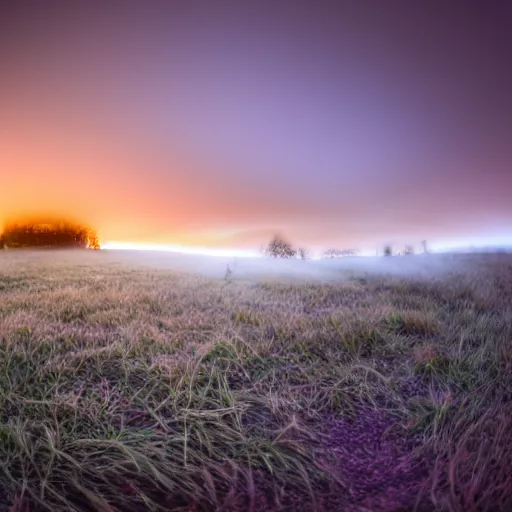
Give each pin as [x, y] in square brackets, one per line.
[125, 388]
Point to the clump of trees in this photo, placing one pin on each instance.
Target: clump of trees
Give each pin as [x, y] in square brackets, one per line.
[278, 247]
[407, 251]
[50, 233]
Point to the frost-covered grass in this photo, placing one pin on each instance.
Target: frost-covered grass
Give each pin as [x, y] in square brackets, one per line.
[125, 387]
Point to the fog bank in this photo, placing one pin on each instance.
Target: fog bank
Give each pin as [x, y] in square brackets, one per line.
[219, 267]
[421, 266]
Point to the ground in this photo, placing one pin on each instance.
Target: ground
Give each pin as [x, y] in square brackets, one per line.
[132, 387]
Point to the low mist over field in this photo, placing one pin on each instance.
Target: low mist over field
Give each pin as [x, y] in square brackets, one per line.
[260, 268]
[420, 266]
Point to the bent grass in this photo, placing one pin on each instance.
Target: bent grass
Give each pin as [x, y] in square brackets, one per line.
[129, 389]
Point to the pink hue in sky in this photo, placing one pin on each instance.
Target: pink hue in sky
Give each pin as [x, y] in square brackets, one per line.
[348, 125]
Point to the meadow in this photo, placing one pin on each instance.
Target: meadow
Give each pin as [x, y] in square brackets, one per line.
[130, 388]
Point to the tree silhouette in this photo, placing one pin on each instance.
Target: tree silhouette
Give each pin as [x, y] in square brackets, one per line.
[302, 253]
[279, 248]
[388, 251]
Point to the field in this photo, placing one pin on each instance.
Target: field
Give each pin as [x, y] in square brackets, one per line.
[130, 388]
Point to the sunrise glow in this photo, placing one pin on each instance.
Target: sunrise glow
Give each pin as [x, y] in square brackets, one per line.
[126, 246]
[255, 255]
[213, 130]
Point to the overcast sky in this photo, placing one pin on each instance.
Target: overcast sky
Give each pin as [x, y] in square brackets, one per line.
[219, 123]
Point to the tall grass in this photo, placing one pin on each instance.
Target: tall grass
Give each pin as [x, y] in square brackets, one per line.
[125, 388]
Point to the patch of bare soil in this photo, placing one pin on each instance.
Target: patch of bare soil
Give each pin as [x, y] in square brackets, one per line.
[380, 465]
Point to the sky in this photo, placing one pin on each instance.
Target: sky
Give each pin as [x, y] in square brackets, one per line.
[218, 124]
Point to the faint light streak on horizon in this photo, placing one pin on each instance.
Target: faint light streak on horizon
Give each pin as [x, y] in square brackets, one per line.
[127, 246]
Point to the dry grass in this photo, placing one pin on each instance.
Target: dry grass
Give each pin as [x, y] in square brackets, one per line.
[124, 388]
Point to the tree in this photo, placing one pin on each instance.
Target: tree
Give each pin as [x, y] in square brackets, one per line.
[388, 251]
[93, 240]
[409, 249]
[279, 248]
[302, 253]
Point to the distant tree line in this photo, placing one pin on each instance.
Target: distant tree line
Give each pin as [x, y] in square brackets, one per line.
[407, 251]
[278, 247]
[50, 234]
[339, 253]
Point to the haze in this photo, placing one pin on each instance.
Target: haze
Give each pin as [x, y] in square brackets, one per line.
[216, 124]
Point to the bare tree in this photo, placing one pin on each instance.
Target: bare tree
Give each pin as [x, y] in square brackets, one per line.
[409, 250]
[302, 253]
[388, 250]
[280, 248]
